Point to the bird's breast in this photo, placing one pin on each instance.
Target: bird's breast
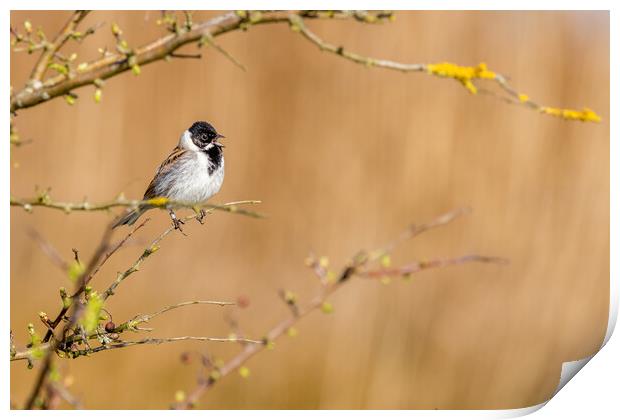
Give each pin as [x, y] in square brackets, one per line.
[197, 179]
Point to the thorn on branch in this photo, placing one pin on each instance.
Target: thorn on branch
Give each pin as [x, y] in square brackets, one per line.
[290, 299]
[346, 273]
[76, 255]
[182, 55]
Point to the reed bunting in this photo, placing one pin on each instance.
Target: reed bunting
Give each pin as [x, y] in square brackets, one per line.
[192, 173]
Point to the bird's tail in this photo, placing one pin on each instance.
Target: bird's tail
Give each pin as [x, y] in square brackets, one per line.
[129, 218]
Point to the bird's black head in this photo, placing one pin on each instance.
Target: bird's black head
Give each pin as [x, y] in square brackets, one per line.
[204, 135]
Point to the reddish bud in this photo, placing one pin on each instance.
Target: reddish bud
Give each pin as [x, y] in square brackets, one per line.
[185, 358]
[243, 301]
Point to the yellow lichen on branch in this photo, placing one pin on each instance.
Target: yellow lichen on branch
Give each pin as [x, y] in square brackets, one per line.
[586, 114]
[467, 74]
[158, 201]
[66, 79]
[464, 74]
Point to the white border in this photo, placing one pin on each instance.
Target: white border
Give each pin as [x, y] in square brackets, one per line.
[595, 385]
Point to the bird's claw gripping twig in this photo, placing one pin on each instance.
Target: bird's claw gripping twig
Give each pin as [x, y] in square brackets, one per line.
[201, 216]
[176, 222]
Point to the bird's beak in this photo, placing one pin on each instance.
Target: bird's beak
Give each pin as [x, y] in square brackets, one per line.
[217, 143]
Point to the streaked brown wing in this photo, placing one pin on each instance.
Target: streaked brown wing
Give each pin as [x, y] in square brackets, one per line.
[164, 168]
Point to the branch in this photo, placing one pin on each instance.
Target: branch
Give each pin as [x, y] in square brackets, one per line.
[463, 74]
[102, 255]
[113, 331]
[50, 344]
[329, 285]
[44, 200]
[49, 50]
[87, 277]
[80, 285]
[112, 64]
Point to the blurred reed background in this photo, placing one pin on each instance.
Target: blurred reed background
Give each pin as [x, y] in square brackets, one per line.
[343, 158]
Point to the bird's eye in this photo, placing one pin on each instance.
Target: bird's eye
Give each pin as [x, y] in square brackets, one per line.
[204, 137]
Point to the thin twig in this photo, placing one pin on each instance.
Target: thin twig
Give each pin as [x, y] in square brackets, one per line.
[49, 50]
[115, 248]
[150, 250]
[417, 266]
[64, 393]
[27, 354]
[124, 344]
[49, 250]
[416, 230]
[135, 321]
[154, 246]
[208, 39]
[298, 25]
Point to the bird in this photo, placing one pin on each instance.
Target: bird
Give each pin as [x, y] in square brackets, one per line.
[192, 173]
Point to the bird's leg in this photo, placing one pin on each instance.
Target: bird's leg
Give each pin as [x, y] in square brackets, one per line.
[200, 216]
[176, 221]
